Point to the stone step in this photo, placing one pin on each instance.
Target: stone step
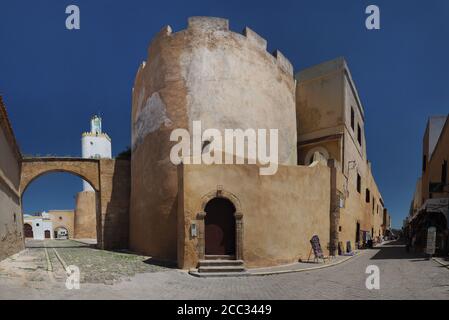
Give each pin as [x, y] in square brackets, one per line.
[219, 257]
[219, 274]
[211, 263]
[221, 269]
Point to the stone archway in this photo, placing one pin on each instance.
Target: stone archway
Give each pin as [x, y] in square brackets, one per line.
[28, 231]
[110, 179]
[238, 216]
[61, 232]
[86, 169]
[311, 154]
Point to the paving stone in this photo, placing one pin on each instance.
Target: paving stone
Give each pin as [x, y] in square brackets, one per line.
[112, 275]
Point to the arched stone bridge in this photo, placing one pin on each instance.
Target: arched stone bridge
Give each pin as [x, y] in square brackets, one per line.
[86, 169]
[109, 178]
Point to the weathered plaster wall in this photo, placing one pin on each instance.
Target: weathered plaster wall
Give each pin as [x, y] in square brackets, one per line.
[281, 213]
[207, 73]
[11, 229]
[64, 219]
[11, 234]
[85, 215]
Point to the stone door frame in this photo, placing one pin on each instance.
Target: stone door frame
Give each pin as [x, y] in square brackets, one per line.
[238, 215]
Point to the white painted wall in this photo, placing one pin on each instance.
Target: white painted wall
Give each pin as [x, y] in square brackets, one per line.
[39, 227]
[95, 144]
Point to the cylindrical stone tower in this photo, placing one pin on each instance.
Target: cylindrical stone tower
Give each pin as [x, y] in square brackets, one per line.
[205, 73]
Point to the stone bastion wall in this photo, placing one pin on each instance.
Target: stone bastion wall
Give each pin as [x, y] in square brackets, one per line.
[206, 73]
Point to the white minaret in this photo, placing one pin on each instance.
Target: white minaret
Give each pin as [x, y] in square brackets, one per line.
[95, 145]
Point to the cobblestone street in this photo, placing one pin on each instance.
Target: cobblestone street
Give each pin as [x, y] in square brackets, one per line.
[115, 275]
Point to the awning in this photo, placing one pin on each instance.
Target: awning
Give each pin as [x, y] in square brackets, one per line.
[438, 205]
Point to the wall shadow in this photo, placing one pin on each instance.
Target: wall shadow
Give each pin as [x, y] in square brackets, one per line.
[397, 250]
[116, 210]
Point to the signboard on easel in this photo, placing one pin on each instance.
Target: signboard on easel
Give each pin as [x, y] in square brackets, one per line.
[431, 240]
[316, 247]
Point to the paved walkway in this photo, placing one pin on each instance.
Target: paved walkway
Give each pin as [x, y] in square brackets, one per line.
[402, 276]
[301, 266]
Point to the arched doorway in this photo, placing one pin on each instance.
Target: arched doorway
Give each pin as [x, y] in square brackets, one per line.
[220, 227]
[47, 234]
[61, 233]
[28, 231]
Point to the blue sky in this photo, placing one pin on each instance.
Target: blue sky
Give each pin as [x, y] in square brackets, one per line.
[53, 80]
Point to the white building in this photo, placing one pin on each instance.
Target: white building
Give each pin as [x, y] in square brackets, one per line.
[95, 144]
[41, 226]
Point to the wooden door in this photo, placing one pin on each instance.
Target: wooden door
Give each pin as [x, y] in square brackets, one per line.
[220, 227]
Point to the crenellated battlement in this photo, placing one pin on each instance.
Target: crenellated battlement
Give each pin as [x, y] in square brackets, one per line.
[208, 24]
[212, 24]
[283, 62]
[255, 38]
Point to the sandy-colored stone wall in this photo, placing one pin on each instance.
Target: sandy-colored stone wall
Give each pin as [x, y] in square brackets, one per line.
[113, 227]
[33, 168]
[63, 219]
[224, 79]
[281, 213]
[320, 100]
[326, 98]
[435, 166]
[86, 215]
[11, 221]
[417, 198]
[111, 180]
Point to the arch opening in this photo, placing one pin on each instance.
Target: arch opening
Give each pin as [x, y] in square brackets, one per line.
[28, 182]
[61, 233]
[220, 227]
[54, 206]
[28, 231]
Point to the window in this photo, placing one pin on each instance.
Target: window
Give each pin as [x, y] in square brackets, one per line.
[368, 196]
[359, 183]
[15, 217]
[359, 135]
[352, 118]
[339, 228]
[444, 172]
[424, 163]
[374, 200]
